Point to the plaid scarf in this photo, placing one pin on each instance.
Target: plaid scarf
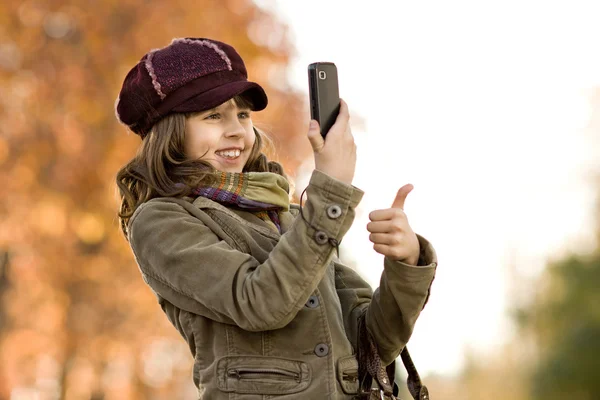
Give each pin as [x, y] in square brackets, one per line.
[265, 194]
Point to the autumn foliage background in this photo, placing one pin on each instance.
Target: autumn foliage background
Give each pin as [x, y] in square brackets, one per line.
[76, 320]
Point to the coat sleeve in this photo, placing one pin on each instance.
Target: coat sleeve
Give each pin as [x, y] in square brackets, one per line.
[187, 264]
[392, 310]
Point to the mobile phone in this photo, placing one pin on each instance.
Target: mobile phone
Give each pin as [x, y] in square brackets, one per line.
[324, 94]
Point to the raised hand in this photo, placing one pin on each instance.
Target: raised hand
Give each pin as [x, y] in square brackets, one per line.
[336, 155]
[390, 232]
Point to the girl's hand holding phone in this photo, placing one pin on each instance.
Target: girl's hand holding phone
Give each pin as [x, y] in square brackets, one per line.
[335, 155]
[390, 232]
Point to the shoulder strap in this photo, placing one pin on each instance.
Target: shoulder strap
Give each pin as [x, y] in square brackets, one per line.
[371, 372]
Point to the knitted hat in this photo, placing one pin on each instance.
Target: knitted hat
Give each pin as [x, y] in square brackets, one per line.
[189, 75]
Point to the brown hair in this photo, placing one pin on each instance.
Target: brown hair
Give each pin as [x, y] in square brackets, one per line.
[161, 169]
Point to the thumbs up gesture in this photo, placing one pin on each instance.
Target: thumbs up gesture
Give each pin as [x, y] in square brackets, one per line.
[390, 232]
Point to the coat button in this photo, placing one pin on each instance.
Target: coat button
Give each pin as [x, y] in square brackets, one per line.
[313, 302]
[321, 237]
[334, 211]
[322, 350]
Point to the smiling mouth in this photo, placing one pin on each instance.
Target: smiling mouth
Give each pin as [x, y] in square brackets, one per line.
[229, 154]
[229, 159]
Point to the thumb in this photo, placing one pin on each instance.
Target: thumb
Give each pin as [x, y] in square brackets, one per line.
[401, 196]
[314, 136]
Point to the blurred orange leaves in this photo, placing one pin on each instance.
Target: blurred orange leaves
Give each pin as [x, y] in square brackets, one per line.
[76, 318]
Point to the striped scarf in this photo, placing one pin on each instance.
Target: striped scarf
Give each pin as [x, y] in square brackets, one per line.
[265, 194]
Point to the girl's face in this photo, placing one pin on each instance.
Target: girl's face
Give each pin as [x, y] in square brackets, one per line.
[224, 133]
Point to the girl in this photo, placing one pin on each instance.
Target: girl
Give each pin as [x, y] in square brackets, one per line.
[250, 281]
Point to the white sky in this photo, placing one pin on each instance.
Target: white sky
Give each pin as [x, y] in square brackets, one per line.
[482, 106]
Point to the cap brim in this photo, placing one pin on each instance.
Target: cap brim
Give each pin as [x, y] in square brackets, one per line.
[219, 95]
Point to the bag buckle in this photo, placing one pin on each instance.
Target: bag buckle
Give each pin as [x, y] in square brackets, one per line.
[381, 393]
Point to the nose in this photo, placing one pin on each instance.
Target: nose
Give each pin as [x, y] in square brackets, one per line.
[235, 128]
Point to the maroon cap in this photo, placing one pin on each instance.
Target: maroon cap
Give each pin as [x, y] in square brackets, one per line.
[189, 75]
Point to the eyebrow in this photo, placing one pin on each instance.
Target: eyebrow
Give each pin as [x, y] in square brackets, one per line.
[231, 104]
[225, 106]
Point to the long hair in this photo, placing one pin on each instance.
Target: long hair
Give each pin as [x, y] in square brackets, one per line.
[160, 167]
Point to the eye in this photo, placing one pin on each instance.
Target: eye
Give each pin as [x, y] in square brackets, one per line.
[213, 116]
[244, 115]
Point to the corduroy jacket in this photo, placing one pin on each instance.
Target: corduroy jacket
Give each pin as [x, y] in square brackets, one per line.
[269, 315]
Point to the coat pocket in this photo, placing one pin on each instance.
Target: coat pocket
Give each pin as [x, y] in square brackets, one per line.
[262, 375]
[347, 374]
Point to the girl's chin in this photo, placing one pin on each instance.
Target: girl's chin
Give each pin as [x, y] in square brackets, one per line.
[227, 165]
[237, 167]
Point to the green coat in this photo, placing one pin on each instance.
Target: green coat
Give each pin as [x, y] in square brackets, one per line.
[269, 315]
